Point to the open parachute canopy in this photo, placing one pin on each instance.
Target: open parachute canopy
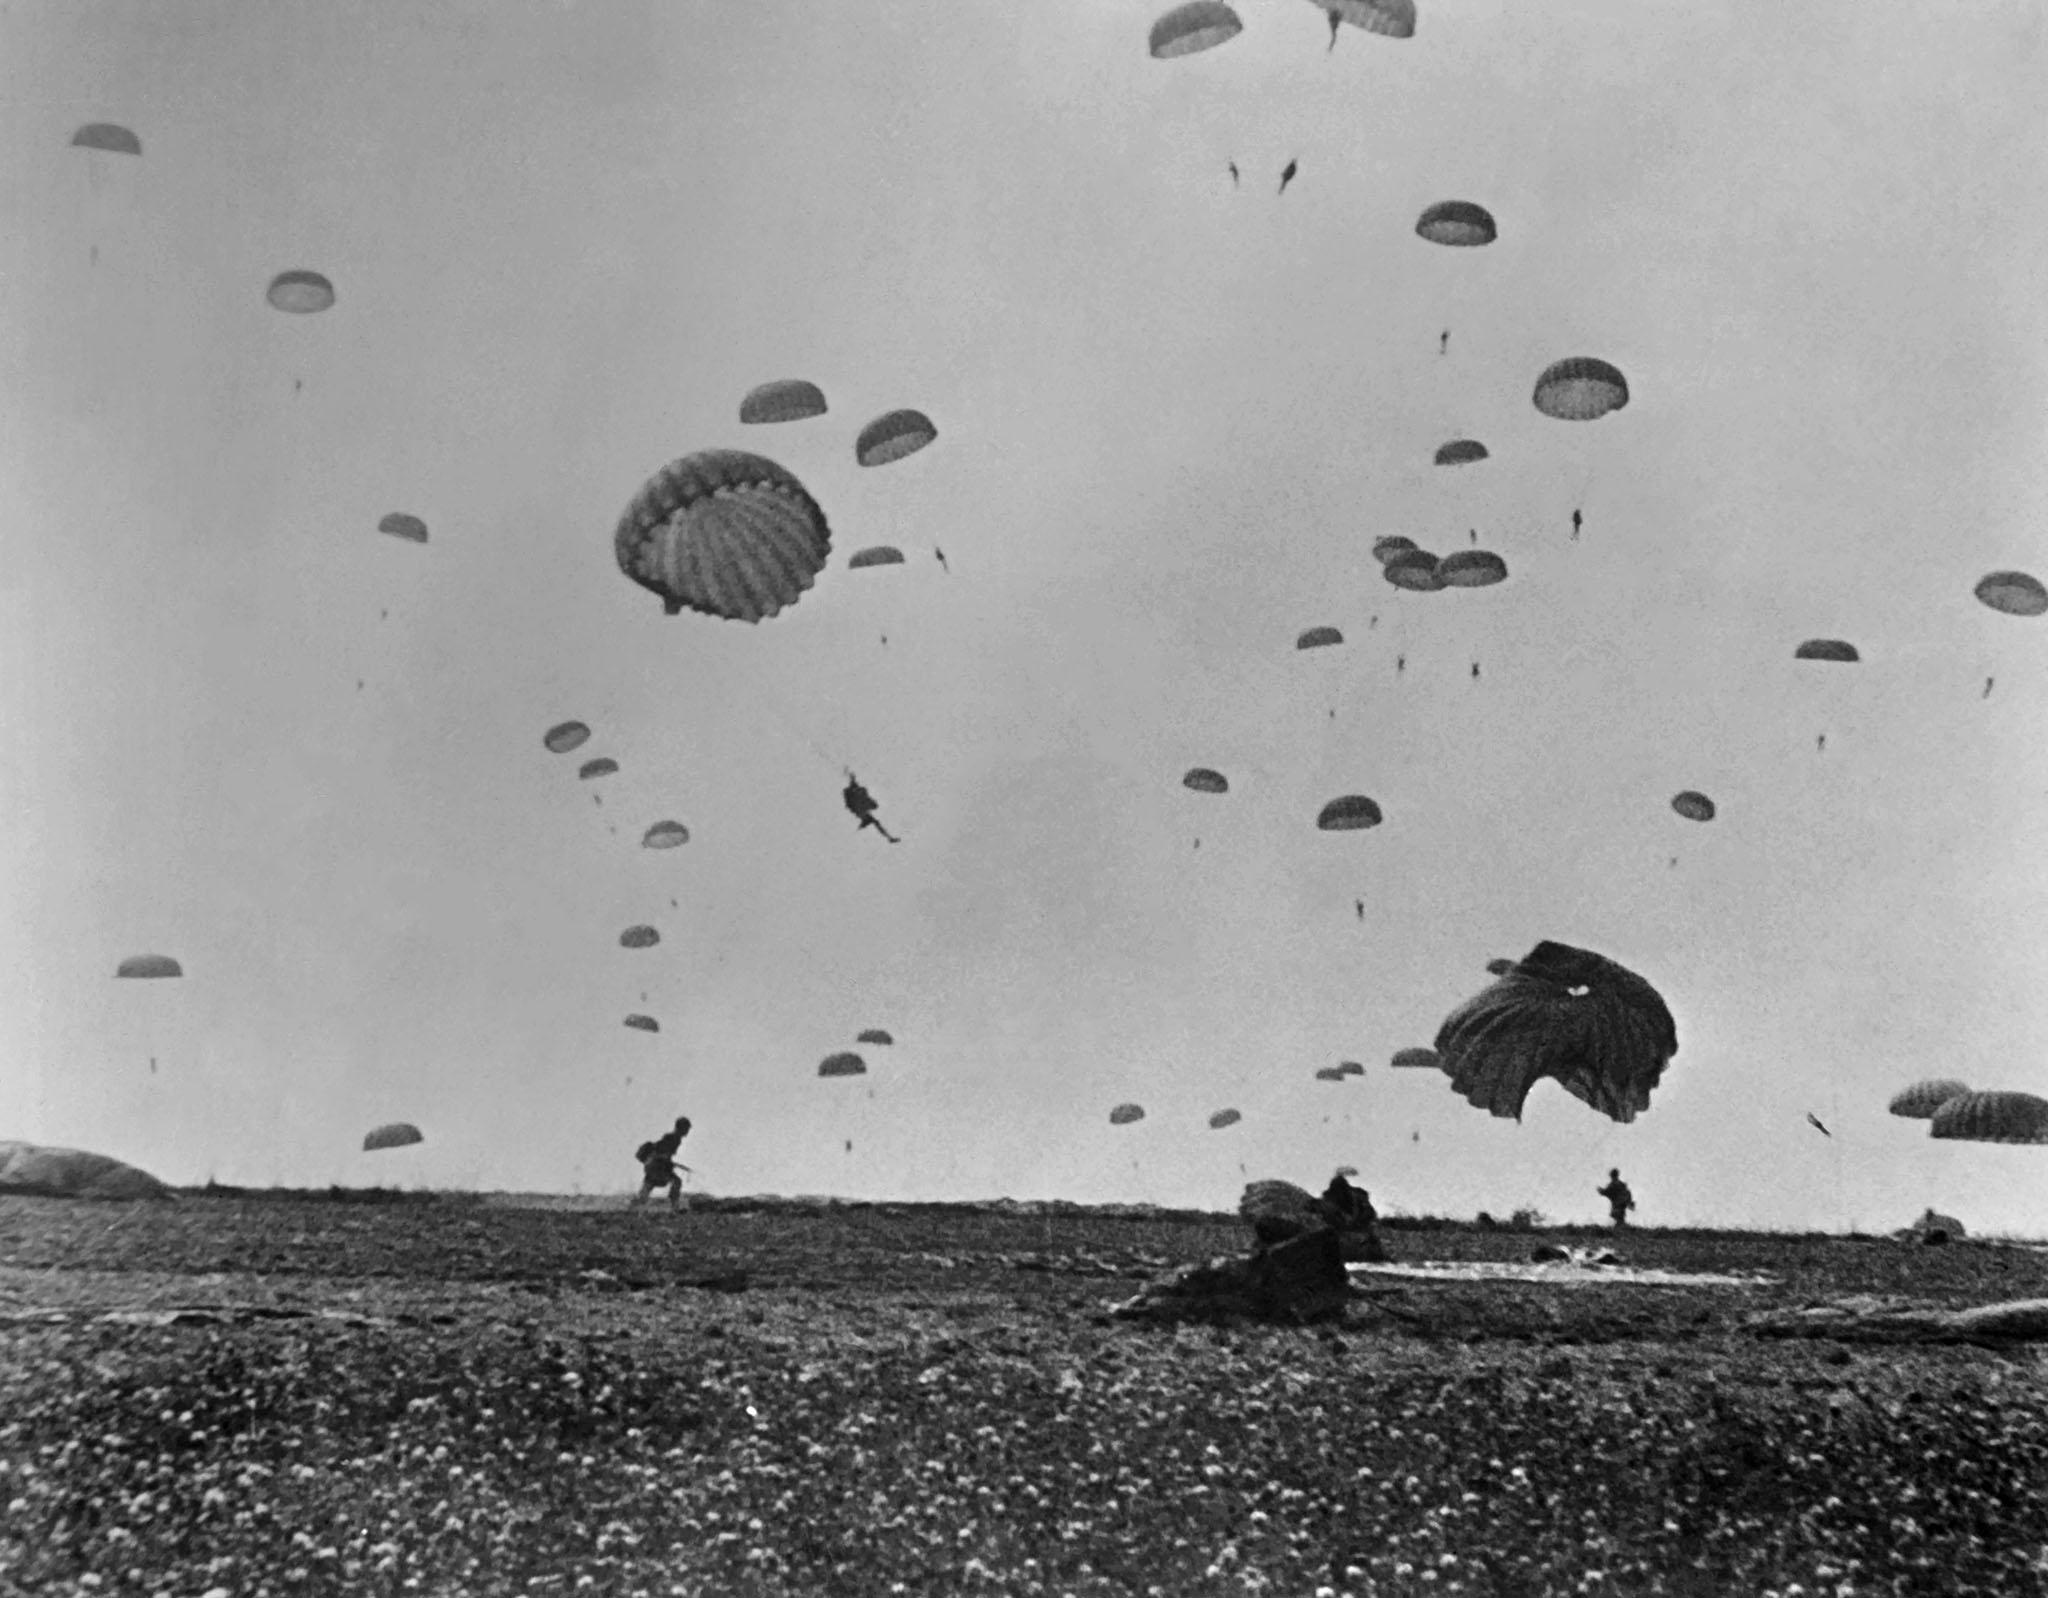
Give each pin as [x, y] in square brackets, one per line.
[1394, 19]
[301, 293]
[1223, 1118]
[2015, 593]
[149, 965]
[788, 399]
[107, 136]
[1415, 1060]
[875, 1034]
[842, 1064]
[566, 736]
[1331, 1073]
[1581, 389]
[396, 1135]
[1385, 549]
[893, 436]
[1413, 569]
[642, 937]
[1460, 452]
[876, 555]
[399, 525]
[666, 835]
[1599, 1029]
[1197, 26]
[1826, 649]
[1319, 638]
[1471, 568]
[1922, 1099]
[1996, 1117]
[1203, 780]
[1349, 813]
[723, 533]
[1500, 968]
[1458, 223]
[1351, 1068]
[1125, 1114]
[602, 766]
[643, 1023]
[43, 1171]
[1693, 806]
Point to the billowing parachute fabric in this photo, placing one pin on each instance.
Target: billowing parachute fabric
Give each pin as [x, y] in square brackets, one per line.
[149, 965]
[2015, 593]
[1459, 223]
[723, 533]
[1460, 452]
[394, 1136]
[107, 136]
[1330, 1073]
[602, 766]
[1993, 1118]
[1125, 1114]
[1348, 813]
[301, 293]
[1223, 1118]
[1394, 19]
[1827, 649]
[879, 555]
[568, 736]
[1922, 1099]
[1693, 806]
[1203, 780]
[1319, 638]
[1471, 568]
[643, 1023]
[1581, 389]
[787, 400]
[666, 835]
[875, 1034]
[45, 1172]
[1413, 569]
[639, 938]
[891, 437]
[1385, 549]
[400, 525]
[1602, 1031]
[842, 1065]
[1189, 29]
[1415, 1060]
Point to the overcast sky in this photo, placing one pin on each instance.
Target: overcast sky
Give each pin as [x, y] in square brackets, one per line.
[1173, 414]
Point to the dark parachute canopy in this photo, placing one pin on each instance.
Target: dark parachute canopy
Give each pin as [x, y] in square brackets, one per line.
[1922, 1099]
[2015, 593]
[1460, 452]
[1319, 638]
[1457, 223]
[1500, 968]
[874, 1034]
[1350, 1068]
[602, 766]
[47, 1172]
[1580, 389]
[891, 437]
[1395, 19]
[394, 1136]
[1125, 1114]
[642, 937]
[788, 399]
[1413, 569]
[1348, 813]
[1223, 1118]
[1826, 649]
[1995, 1117]
[301, 293]
[643, 1023]
[399, 525]
[566, 736]
[1197, 26]
[1693, 806]
[1385, 549]
[878, 555]
[149, 965]
[1602, 1031]
[1203, 780]
[666, 835]
[107, 136]
[1415, 1060]
[842, 1064]
[723, 533]
[1471, 568]
[1331, 1073]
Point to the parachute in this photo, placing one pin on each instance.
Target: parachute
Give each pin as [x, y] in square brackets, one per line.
[1693, 806]
[642, 937]
[1995, 1117]
[1385, 549]
[1922, 1099]
[149, 965]
[400, 525]
[1602, 1031]
[723, 533]
[1581, 389]
[1460, 452]
[1471, 568]
[602, 766]
[1190, 29]
[1125, 1114]
[842, 1064]
[1415, 1060]
[1413, 569]
[643, 1023]
[1223, 1118]
[1395, 19]
[891, 437]
[37, 1168]
[395, 1136]
[1349, 813]
[874, 1034]
[107, 136]
[1203, 780]
[1458, 223]
[2015, 593]
[879, 555]
[1330, 1073]
[666, 835]
[568, 735]
[1500, 968]
[789, 399]
[1350, 1068]
[301, 293]
[1319, 638]
[1826, 649]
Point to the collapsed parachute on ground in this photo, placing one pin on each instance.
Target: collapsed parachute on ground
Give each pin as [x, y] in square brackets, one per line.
[642, 937]
[1599, 1029]
[874, 1034]
[46, 1172]
[1385, 549]
[1457, 222]
[842, 1064]
[301, 293]
[879, 555]
[1330, 1073]
[1827, 649]
[788, 399]
[1471, 568]
[1394, 19]
[1319, 638]
[394, 1136]
[1348, 813]
[1922, 1099]
[1693, 806]
[399, 525]
[1415, 1060]
[1413, 569]
[1203, 780]
[568, 736]
[602, 766]
[723, 533]
[1125, 1114]
[2014, 593]
[110, 137]
[1995, 1117]
[643, 1023]
[1460, 452]
[1192, 28]
[891, 437]
[665, 835]
[1223, 1118]
[149, 965]
[1350, 1068]
[1581, 389]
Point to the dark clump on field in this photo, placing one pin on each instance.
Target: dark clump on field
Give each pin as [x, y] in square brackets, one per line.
[442, 1399]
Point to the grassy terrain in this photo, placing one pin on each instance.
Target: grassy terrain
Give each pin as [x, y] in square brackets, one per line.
[301, 1395]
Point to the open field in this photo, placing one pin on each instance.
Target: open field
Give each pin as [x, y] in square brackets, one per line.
[267, 1394]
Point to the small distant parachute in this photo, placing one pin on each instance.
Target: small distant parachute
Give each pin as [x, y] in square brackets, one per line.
[1125, 1114]
[1350, 1068]
[1394, 19]
[1460, 452]
[567, 736]
[301, 293]
[1331, 1073]
[602, 766]
[1415, 1060]
[1600, 1030]
[1580, 389]
[399, 525]
[1223, 1118]
[788, 399]
[1471, 568]
[107, 136]
[665, 835]
[874, 1034]
[1693, 806]
[149, 965]
[642, 937]
[723, 533]
[879, 555]
[1826, 649]
[1500, 968]
[1349, 813]
[643, 1023]
[842, 1064]
[1413, 569]
[891, 437]
[395, 1136]
[1203, 780]
[1192, 28]
[1922, 1099]
[2015, 593]
[1995, 1117]
[1385, 549]
[1319, 638]
[1459, 223]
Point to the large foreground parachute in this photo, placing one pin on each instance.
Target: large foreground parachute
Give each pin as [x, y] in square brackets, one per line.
[788, 399]
[1581, 389]
[1197, 26]
[1922, 1099]
[1602, 1031]
[724, 533]
[394, 1136]
[149, 965]
[1993, 1118]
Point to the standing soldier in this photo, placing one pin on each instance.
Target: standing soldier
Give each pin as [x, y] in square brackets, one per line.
[1619, 1199]
[658, 1165]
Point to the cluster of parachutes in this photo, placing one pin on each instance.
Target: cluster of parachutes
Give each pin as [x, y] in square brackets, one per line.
[1955, 1111]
